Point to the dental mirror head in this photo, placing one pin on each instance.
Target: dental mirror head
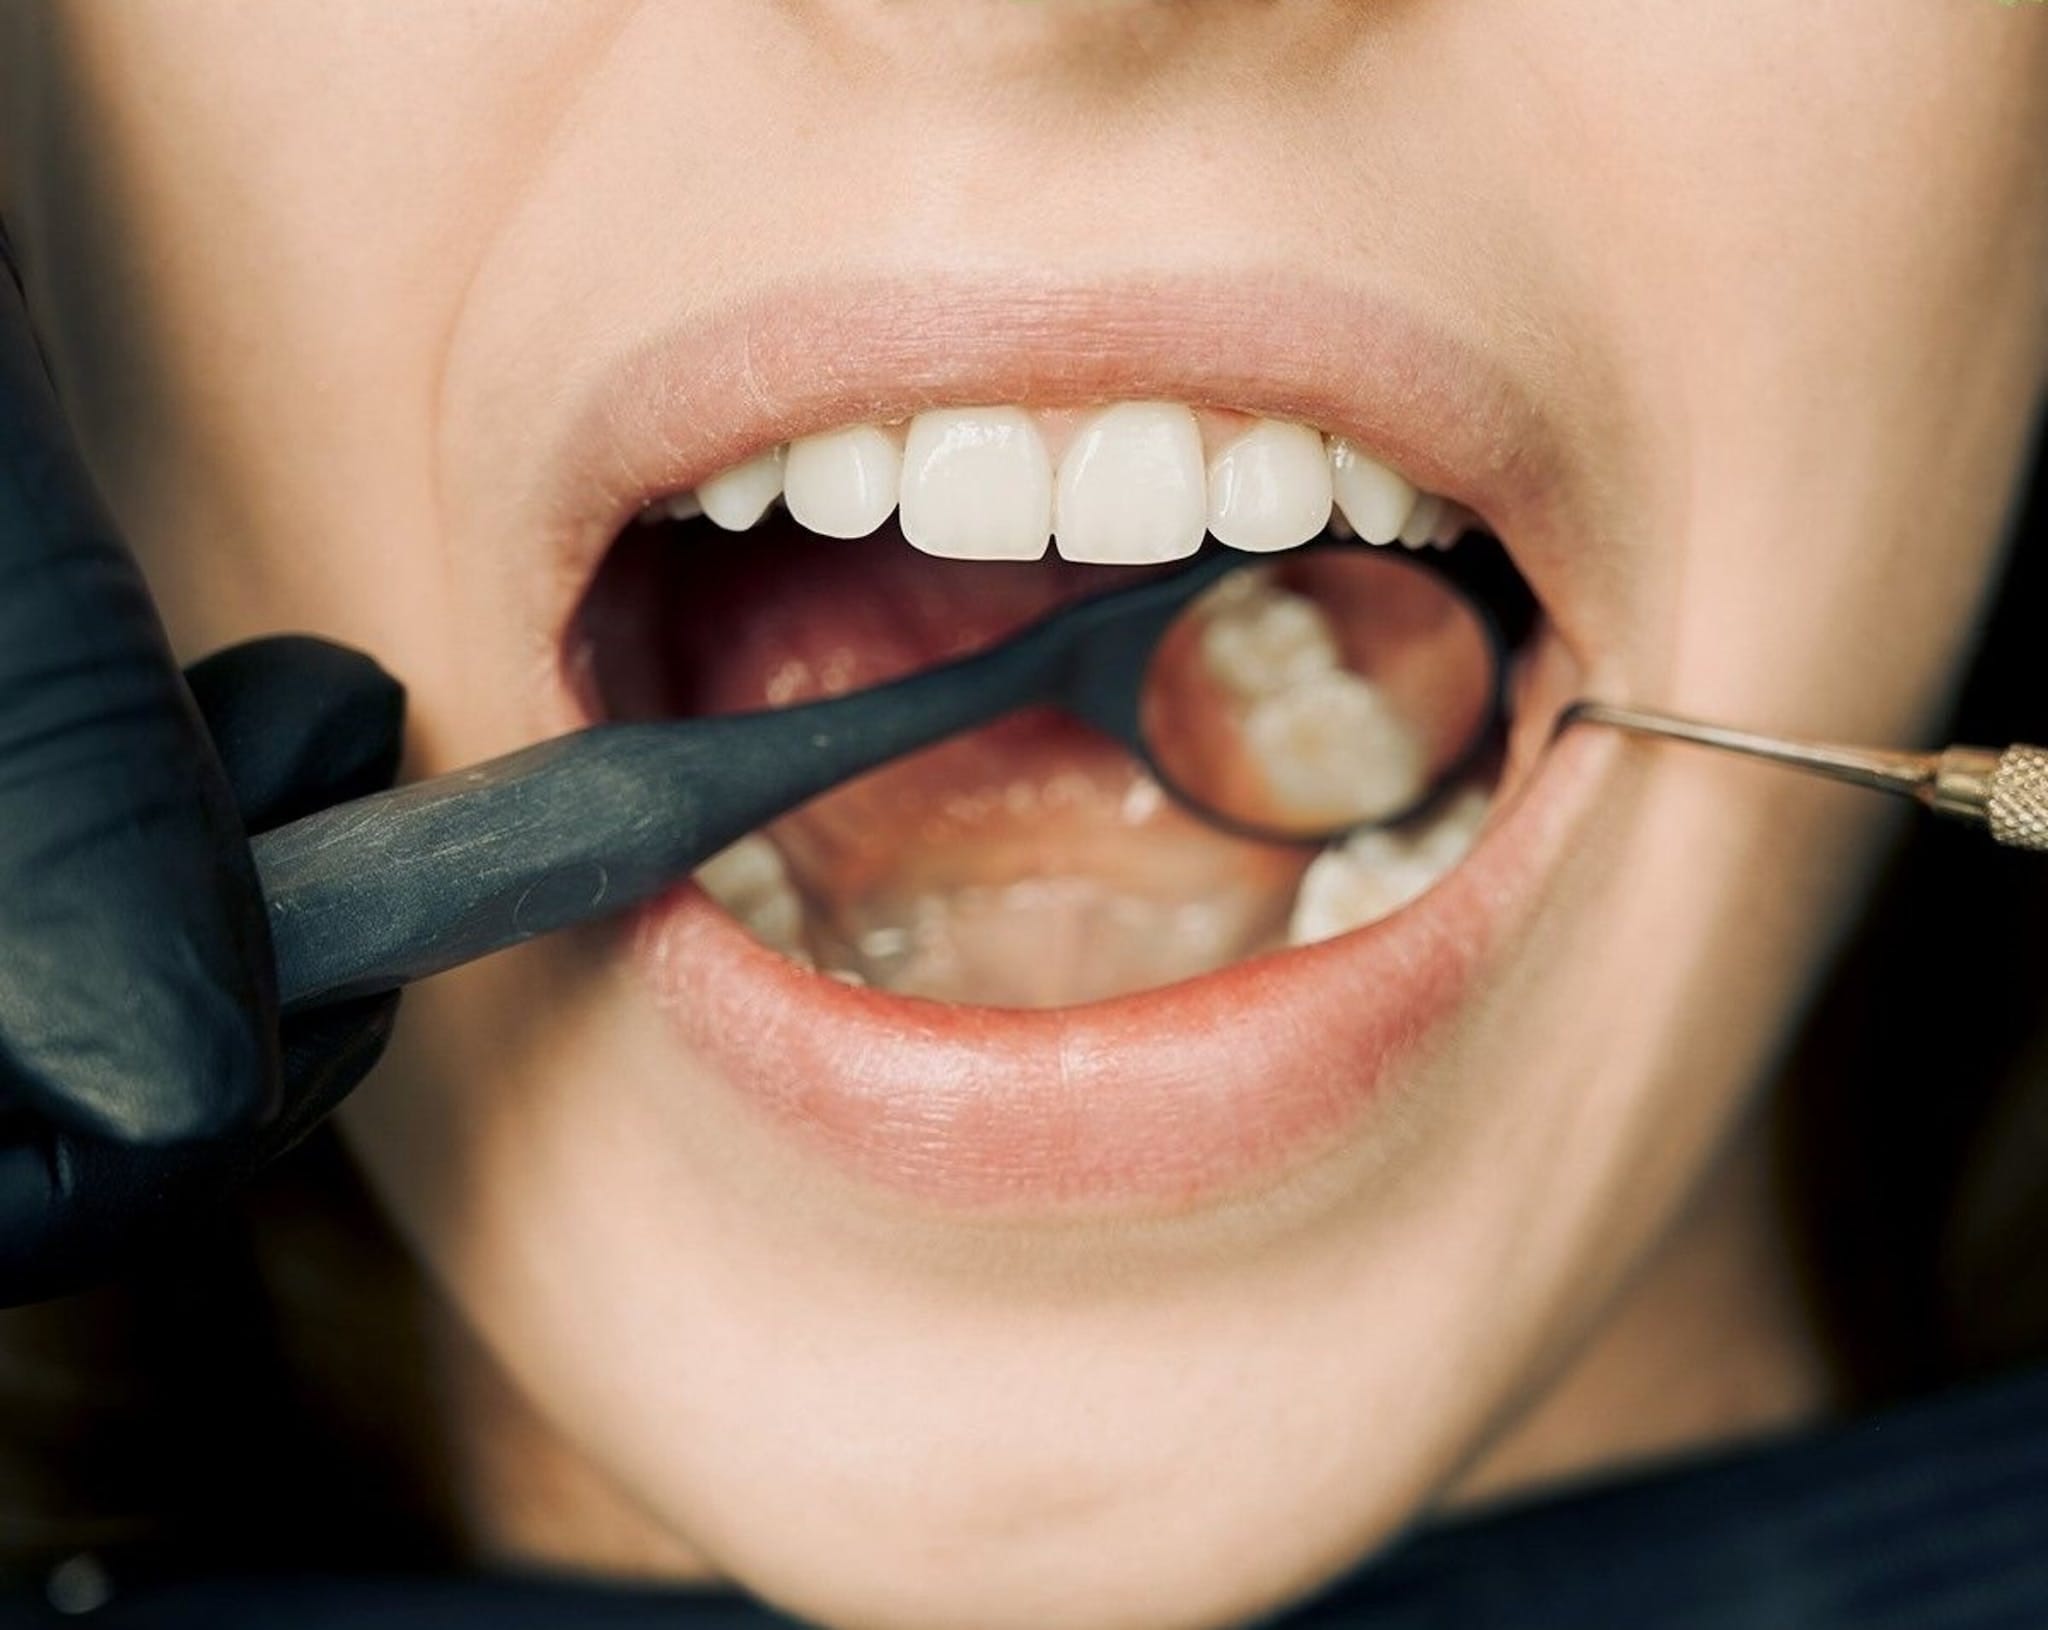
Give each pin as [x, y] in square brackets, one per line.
[1335, 687]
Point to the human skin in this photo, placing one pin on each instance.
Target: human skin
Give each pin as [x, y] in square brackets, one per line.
[315, 283]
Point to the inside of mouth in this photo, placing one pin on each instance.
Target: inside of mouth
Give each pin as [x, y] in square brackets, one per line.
[1031, 863]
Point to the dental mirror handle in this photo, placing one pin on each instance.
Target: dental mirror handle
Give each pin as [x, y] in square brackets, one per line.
[2004, 792]
[370, 895]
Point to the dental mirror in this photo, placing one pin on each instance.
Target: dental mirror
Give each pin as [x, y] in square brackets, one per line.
[1328, 689]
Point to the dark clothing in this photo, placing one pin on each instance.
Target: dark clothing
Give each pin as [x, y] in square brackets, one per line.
[1933, 1516]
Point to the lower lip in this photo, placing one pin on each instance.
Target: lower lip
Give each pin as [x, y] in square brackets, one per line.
[1150, 1104]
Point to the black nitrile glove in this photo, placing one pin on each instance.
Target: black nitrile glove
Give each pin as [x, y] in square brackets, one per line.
[141, 1066]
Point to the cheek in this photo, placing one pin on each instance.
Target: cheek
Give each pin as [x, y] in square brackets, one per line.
[249, 332]
[1837, 295]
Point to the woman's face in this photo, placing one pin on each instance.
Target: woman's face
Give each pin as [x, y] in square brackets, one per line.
[1066, 1289]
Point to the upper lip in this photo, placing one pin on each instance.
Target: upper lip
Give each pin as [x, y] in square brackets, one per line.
[677, 405]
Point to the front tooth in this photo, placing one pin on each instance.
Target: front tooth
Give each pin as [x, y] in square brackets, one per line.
[1376, 501]
[1422, 524]
[1374, 874]
[1270, 489]
[1269, 644]
[977, 485]
[1332, 751]
[842, 484]
[738, 498]
[1130, 489]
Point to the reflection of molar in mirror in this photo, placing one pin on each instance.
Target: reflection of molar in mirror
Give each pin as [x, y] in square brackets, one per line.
[1327, 746]
[1260, 642]
[1333, 751]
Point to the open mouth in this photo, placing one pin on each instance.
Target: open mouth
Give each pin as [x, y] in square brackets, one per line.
[1035, 863]
[1011, 977]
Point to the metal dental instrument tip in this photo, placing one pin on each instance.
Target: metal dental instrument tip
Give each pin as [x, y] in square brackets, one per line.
[2004, 792]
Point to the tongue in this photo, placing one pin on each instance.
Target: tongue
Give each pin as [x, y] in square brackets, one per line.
[1031, 863]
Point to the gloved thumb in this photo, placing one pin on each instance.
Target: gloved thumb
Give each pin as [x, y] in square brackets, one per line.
[300, 724]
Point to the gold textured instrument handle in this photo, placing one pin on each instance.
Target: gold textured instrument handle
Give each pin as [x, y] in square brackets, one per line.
[2017, 810]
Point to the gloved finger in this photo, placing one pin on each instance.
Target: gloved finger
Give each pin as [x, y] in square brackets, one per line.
[326, 1052]
[73, 1210]
[300, 723]
[138, 1001]
[68, 1207]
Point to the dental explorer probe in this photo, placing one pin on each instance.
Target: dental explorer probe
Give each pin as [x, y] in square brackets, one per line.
[2004, 792]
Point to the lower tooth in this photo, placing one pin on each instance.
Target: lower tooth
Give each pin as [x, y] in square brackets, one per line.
[742, 870]
[749, 880]
[1373, 874]
[777, 921]
[1045, 941]
[965, 946]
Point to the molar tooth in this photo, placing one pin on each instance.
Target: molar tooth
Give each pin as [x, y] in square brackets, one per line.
[1450, 832]
[1131, 487]
[739, 497]
[842, 484]
[1340, 892]
[1331, 749]
[1376, 501]
[1429, 510]
[1373, 874]
[1270, 489]
[977, 485]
